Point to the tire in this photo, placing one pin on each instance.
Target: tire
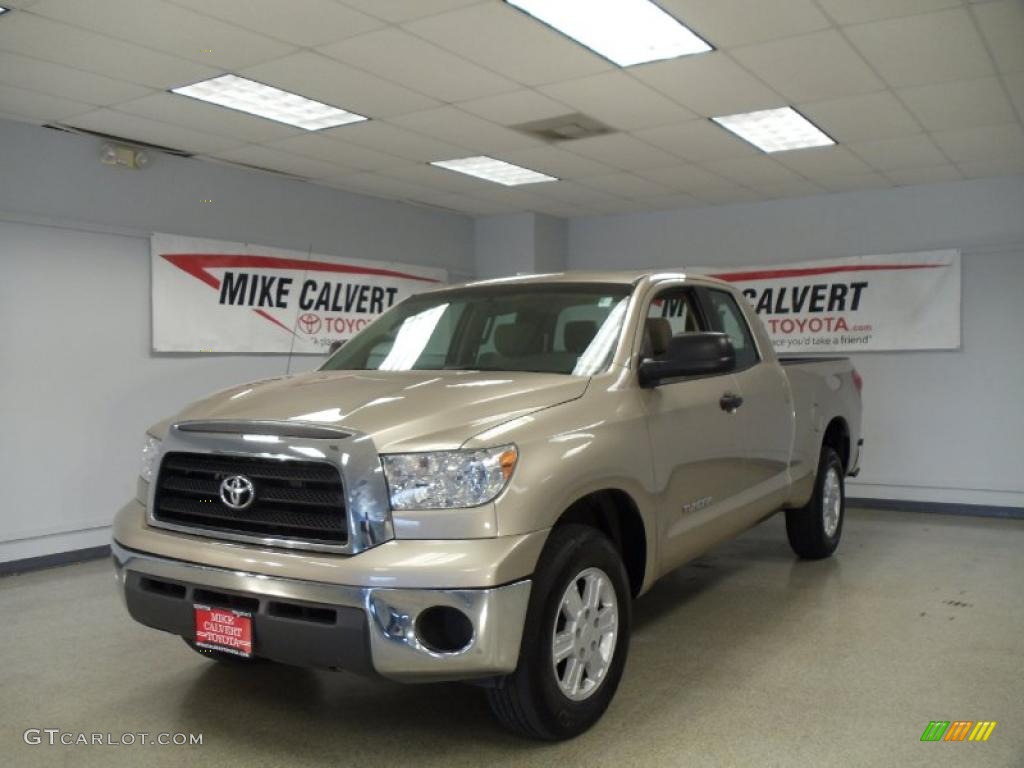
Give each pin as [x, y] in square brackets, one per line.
[221, 656]
[815, 529]
[533, 701]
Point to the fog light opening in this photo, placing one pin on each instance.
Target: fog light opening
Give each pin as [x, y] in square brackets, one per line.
[444, 630]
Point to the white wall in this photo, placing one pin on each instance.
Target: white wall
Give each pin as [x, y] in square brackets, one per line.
[79, 382]
[939, 426]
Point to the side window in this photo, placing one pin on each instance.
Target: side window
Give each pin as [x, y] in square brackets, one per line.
[728, 318]
[678, 307]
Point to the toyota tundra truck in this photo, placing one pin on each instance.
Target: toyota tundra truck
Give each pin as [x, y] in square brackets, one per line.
[479, 484]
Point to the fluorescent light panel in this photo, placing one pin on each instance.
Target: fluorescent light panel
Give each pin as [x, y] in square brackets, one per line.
[775, 130]
[627, 32]
[491, 169]
[3, 10]
[266, 101]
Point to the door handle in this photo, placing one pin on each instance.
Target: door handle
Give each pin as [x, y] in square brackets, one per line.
[730, 402]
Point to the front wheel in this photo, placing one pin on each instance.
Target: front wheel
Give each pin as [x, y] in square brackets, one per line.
[814, 529]
[575, 639]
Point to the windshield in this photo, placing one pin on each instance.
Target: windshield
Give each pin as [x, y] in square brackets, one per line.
[551, 328]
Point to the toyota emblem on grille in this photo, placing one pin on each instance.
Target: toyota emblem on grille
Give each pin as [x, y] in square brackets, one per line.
[237, 491]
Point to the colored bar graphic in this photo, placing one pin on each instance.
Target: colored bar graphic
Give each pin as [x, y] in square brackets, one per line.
[935, 730]
[982, 730]
[958, 730]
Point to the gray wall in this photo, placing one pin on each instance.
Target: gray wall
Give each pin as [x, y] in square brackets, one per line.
[80, 383]
[939, 426]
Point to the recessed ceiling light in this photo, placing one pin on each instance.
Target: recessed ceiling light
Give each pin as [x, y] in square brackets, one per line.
[775, 130]
[3, 10]
[266, 101]
[490, 169]
[627, 32]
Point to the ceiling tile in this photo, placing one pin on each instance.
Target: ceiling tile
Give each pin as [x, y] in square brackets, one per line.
[851, 183]
[626, 185]
[727, 23]
[573, 192]
[709, 84]
[557, 162]
[960, 104]
[753, 171]
[378, 186]
[821, 162]
[42, 38]
[454, 125]
[620, 101]
[932, 174]
[390, 139]
[788, 189]
[209, 118]
[322, 146]
[865, 116]
[672, 202]
[134, 127]
[305, 23]
[860, 11]
[811, 67]
[432, 177]
[522, 106]
[621, 151]
[736, 194]
[918, 50]
[1001, 143]
[404, 10]
[276, 160]
[38, 107]
[419, 65]
[164, 27]
[318, 77]
[506, 40]
[686, 178]
[697, 140]
[65, 82]
[987, 168]
[901, 152]
[1002, 24]
[475, 206]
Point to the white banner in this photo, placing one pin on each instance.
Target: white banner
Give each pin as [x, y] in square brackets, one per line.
[216, 296]
[857, 304]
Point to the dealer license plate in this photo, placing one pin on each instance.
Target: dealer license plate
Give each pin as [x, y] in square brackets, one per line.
[224, 629]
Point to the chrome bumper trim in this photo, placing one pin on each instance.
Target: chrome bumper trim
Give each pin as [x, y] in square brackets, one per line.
[497, 614]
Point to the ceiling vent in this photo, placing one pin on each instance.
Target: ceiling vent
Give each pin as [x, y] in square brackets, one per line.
[564, 128]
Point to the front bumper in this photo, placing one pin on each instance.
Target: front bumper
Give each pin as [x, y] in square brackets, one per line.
[312, 623]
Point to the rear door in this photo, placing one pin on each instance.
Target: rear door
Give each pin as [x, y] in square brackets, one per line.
[766, 414]
[696, 445]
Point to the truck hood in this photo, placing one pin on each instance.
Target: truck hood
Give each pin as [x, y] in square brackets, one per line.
[401, 410]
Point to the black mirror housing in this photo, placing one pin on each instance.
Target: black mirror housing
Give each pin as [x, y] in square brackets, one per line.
[335, 346]
[689, 354]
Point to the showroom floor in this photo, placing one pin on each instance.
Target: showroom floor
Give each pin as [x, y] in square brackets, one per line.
[744, 658]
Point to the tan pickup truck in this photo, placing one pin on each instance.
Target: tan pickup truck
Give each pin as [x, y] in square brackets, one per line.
[478, 485]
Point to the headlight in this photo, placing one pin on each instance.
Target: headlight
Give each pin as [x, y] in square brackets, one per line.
[447, 479]
[150, 453]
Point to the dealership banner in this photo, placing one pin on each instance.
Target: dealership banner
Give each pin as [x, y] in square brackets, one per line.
[858, 304]
[216, 296]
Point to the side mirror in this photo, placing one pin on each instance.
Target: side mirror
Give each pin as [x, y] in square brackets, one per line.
[689, 354]
[335, 346]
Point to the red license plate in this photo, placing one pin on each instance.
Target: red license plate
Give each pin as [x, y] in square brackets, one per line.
[223, 629]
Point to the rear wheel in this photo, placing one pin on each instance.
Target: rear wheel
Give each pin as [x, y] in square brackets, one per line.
[575, 639]
[814, 530]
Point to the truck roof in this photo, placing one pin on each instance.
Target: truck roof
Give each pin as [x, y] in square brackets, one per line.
[623, 277]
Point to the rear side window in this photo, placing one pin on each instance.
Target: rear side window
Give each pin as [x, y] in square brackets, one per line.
[727, 318]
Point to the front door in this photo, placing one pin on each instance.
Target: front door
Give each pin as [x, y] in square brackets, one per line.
[696, 443]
